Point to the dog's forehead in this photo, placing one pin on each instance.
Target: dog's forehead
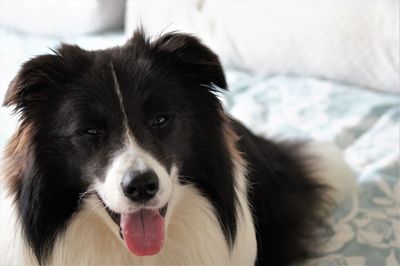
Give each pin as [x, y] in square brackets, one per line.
[139, 72]
[144, 82]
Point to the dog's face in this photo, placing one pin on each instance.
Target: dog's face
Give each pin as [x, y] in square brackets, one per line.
[127, 123]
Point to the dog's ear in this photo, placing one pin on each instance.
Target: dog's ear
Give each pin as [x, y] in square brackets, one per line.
[193, 58]
[39, 74]
[32, 78]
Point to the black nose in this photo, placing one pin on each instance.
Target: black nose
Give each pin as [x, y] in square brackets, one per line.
[140, 186]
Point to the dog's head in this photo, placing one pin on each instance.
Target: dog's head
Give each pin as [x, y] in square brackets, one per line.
[126, 124]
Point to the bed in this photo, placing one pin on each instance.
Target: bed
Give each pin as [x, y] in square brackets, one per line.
[363, 123]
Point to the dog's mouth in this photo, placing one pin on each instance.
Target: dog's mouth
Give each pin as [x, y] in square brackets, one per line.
[116, 217]
[143, 231]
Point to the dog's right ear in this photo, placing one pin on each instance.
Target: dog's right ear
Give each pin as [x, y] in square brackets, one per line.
[32, 78]
[39, 74]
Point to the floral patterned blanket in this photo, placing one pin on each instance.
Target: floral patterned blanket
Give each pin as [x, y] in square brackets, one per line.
[365, 125]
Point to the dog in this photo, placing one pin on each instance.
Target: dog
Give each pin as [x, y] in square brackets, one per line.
[125, 156]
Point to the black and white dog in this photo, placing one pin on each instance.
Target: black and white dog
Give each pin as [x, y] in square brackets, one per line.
[125, 156]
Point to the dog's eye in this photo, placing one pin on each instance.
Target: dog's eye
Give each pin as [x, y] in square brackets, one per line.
[90, 132]
[159, 120]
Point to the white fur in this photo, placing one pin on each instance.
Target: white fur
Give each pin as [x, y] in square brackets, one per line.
[330, 168]
[13, 247]
[245, 249]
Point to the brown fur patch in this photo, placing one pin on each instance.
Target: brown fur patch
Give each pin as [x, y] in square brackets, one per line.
[16, 158]
[231, 139]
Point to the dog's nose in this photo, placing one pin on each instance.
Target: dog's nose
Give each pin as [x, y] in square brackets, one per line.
[140, 186]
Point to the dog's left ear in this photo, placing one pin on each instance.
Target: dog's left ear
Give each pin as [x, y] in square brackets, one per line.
[193, 58]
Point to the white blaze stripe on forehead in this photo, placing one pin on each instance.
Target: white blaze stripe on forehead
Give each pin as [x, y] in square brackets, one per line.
[131, 157]
[121, 100]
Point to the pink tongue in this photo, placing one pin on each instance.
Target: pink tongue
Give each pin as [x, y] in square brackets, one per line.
[143, 232]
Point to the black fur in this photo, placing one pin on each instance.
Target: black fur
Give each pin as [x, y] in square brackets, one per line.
[287, 203]
[60, 96]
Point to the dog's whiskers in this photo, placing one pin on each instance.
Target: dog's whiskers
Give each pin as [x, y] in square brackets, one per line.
[85, 194]
[94, 207]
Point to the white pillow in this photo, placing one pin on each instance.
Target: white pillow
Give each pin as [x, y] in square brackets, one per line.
[62, 17]
[355, 42]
